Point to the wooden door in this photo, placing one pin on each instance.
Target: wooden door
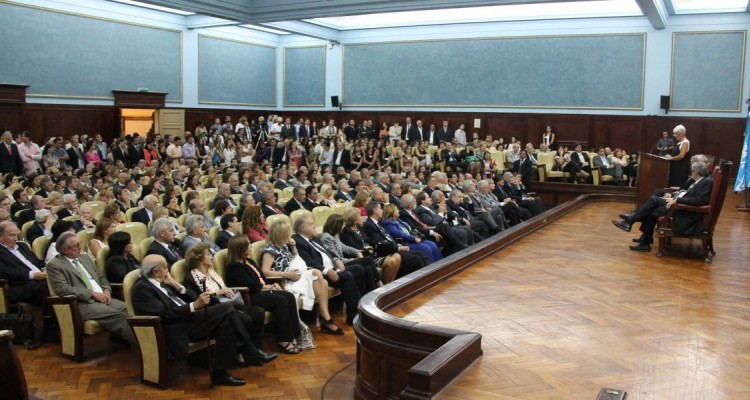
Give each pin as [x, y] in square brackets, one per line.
[171, 122]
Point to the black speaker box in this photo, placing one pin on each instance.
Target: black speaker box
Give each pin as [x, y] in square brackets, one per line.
[665, 102]
[335, 101]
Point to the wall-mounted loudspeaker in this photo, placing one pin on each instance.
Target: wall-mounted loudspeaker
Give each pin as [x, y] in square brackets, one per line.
[335, 101]
[665, 104]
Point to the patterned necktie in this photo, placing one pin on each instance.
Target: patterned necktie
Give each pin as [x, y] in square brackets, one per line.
[172, 296]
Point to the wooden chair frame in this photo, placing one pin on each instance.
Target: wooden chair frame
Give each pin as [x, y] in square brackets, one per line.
[710, 213]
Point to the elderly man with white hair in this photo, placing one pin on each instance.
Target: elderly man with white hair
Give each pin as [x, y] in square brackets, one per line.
[146, 214]
[195, 232]
[165, 243]
[43, 221]
[158, 294]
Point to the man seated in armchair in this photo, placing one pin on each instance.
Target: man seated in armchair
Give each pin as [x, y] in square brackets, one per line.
[184, 320]
[74, 273]
[685, 222]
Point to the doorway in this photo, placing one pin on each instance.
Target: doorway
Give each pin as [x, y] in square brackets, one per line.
[137, 120]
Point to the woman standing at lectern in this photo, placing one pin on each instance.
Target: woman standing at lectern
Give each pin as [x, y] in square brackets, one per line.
[679, 166]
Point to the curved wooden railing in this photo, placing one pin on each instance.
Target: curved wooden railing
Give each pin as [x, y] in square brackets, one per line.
[398, 358]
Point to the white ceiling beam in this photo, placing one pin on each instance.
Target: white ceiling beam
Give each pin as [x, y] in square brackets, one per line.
[306, 29]
[655, 11]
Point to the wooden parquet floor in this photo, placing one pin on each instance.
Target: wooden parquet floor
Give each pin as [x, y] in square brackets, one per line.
[111, 371]
[571, 309]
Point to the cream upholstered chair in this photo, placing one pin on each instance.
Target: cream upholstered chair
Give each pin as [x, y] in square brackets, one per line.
[152, 344]
[320, 215]
[296, 214]
[255, 249]
[137, 230]
[278, 217]
[129, 213]
[340, 208]
[71, 324]
[213, 233]
[40, 246]
[96, 206]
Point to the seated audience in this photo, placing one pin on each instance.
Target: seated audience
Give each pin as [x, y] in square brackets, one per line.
[158, 294]
[279, 260]
[243, 272]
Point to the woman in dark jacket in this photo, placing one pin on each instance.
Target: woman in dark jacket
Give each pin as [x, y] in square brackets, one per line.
[120, 258]
[241, 271]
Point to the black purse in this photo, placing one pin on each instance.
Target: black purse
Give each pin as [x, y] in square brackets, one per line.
[21, 324]
[385, 248]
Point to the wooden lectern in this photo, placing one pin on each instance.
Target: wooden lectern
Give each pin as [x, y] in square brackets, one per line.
[653, 173]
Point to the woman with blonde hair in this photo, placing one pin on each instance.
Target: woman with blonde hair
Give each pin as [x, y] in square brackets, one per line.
[359, 203]
[279, 259]
[326, 195]
[243, 272]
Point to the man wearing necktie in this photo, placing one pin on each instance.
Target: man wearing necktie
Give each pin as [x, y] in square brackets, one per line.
[456, 237]
[10, 158]
[74, 273]
[187, 316]
[347, 278]
[165, 244]
[685, 222]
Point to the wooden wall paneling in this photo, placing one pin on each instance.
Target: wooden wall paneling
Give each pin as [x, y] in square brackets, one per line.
[599, 132]
[566, 127]
[505, 126]
[625, 133]
[717, 136]
[11, 117]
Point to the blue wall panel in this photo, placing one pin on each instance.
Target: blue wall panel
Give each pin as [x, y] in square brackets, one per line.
[232, 72]
[586, 71]
[707, 70]
[304, 76]
[66, 55]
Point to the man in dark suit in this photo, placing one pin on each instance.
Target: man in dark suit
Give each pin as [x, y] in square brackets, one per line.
[405, 130]
[483, 223]
[288, 131]
[279, 153]
[350, 131]
[452, 158]
[445, 134]
[145, 214]
[75, 154]
[10, 158]
[43, 221]
[341, 157]
[456, 238]
[268, 203]
[349, 279]
[21, 201]
[376, 236]
[344, 191]
[165, 243]
[158, 294]
[524, 166]
[281, 181]
[120, 153]
[685, 222]
[517, 191]
[224, 193]
[230, 227]
[304, 130]
[297, 202]
[579, 163]
[415, 133]
[24, 272]
[431, 136]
